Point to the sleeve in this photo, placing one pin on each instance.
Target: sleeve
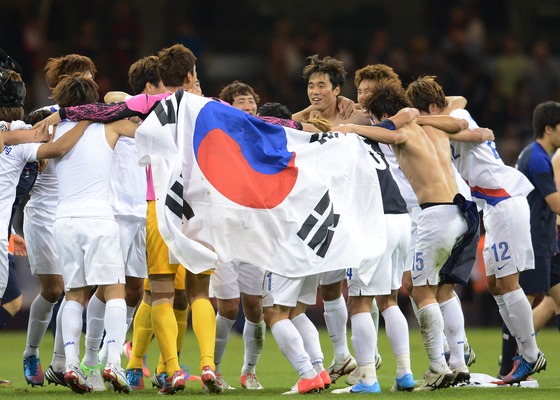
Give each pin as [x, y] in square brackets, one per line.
[100, 112]
[287, 123]
[387, 124]
[464, 114]
[18, 125]
[542, 176]
[29, 151]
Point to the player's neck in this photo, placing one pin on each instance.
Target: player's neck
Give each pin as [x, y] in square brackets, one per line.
[546, 144]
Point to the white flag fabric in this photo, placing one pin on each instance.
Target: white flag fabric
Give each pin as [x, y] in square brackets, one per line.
[232, 187]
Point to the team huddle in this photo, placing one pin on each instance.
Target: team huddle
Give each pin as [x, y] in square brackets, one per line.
[91, 222]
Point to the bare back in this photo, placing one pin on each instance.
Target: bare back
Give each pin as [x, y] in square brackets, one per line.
[422, 160]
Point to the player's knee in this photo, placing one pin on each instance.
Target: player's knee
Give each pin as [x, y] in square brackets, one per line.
[13, 306]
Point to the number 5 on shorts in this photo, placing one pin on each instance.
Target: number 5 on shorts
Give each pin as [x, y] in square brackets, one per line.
[418, 261]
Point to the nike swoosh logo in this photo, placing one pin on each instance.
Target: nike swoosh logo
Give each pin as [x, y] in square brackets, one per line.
[414, 277]
[500, 268]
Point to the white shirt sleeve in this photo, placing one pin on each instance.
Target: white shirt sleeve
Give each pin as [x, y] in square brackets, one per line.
[17, 125]
[464, 114]
[29, 151]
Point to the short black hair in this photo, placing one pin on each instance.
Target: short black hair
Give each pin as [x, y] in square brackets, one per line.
[274, 110]
[328, 65]
[36, 116]
[545, 114]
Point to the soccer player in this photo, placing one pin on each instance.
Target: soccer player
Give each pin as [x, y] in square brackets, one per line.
[241, 96]
[234, 280]
[534, 162]
[423, 155]
[500, 192]
[39, 215]
[85, 224]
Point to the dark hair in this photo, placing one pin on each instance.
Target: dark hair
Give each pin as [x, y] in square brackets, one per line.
[9, 114]
[274, 110]
[545, 114]
[237, 88]
[375, 73]
[67, 65]
[75, 91]
[174, 64]
[425, 91]
[328, 65]
[142, 72]
[388, 97]
[36, 116]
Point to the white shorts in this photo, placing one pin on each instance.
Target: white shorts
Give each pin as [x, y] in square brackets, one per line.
[413, 213]
[287, 292]
[330, 277]
[132, 232]
[389, 271]
[38, 228]
[507, 245]
[89, 251]
[439, 227]
[4, 263]
[231, 279]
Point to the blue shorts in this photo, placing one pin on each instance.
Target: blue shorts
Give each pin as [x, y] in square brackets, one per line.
[12, 289]
[536, 280]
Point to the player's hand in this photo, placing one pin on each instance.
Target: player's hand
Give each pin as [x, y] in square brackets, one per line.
[485, 134]
[347, 128]
[345, 107]
[41, 128]
[20, 249]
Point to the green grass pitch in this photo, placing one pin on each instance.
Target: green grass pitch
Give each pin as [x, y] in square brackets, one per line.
[277, 376]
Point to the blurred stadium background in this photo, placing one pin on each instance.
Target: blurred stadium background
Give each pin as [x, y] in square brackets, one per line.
[502, 55]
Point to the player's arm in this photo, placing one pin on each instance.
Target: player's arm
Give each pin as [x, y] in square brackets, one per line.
[454, 103]
[302, 115]
[477, 135]
[23, 136]
[64, 144]
[379, 134]
[551, 198]
[443, 122]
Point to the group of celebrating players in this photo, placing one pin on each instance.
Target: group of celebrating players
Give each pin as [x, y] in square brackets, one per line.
[91, 221]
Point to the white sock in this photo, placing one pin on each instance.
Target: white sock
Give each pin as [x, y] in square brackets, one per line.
[466, 342]
[505, 316]
[103, 353]
[454, 326]
[40, 315]
[223, 328]
[521, 317]
[129, 317]
[414, 309]
[253, 337]
[375, 317]
[71, 331]
[115, 326]
[59, 355]
[291, 345]
[311, 342]
[368, 374]
[403, 365]
[364, 338]
[431, 326]
[94, 330]
[336, 318]
[396, 328]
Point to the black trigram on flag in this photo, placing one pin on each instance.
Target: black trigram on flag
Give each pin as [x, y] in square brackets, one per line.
[323, 137]
[326, 220]
[175, 202]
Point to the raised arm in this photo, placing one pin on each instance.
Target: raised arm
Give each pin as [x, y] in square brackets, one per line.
[113, 97]
[64, 144]
[454, 103]
[476, 135]
[443, 122]
[381, 135]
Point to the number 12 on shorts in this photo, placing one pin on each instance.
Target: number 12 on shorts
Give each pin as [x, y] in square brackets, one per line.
[503, 246]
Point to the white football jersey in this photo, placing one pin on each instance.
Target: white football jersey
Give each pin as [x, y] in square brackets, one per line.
[490, 180]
